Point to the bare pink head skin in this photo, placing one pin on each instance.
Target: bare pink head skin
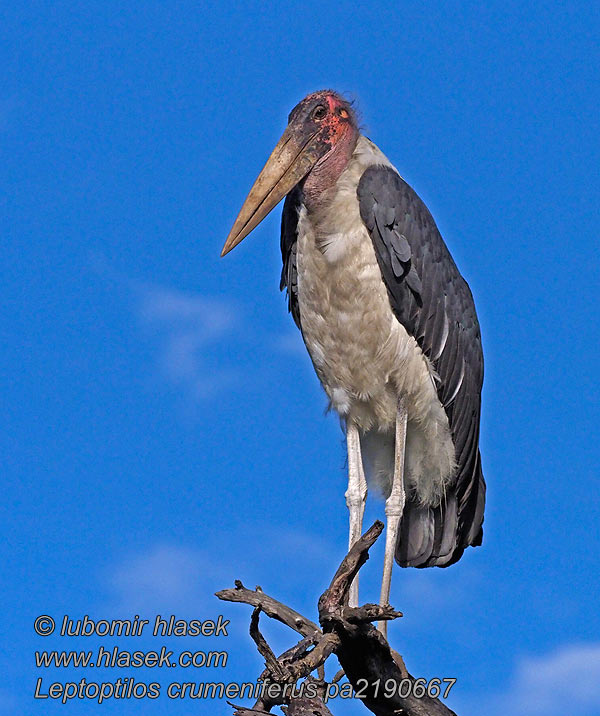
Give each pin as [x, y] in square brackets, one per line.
[313, 152]
[340, 130]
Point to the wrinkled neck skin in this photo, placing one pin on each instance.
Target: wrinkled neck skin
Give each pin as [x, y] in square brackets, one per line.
[323, 176]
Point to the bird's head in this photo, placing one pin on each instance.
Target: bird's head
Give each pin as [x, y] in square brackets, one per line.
[317, 144]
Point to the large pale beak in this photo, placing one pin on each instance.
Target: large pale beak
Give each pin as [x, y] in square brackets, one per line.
[294, 156]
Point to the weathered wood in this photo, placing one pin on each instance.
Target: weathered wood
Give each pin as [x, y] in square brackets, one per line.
[363, 652]
[271, 607]
[280, 673]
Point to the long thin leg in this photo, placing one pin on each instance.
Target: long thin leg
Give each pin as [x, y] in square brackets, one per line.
[394, 507]
[356, 496]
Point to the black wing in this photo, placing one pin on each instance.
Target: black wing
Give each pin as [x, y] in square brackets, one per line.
[289, 237]
[434, 303]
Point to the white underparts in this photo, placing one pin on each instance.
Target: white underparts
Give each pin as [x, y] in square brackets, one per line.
[363, 356]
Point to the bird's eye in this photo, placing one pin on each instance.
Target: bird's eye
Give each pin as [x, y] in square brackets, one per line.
[319, 112]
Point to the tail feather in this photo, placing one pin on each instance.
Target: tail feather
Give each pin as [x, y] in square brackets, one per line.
[417, 536]
[438, 536]
[429, 536]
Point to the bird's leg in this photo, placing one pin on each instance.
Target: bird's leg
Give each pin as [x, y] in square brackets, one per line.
[356, 496]
[394, 506]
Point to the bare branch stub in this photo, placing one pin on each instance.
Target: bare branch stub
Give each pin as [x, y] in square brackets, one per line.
[369, 613]
[300, 649]
[337, 593]
[279, 672]
[271, 607]
[312, 660]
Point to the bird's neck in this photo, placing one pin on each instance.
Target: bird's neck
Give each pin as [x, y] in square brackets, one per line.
[319, 185]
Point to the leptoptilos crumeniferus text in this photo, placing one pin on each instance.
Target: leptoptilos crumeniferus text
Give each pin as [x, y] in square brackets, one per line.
[390, 326]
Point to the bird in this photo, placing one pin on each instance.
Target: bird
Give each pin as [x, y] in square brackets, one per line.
[390, 326]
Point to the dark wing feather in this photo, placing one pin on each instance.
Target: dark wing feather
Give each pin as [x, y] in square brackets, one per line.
[289, 237]
[434, 303]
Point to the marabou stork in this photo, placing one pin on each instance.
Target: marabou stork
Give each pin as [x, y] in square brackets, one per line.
[390, 326]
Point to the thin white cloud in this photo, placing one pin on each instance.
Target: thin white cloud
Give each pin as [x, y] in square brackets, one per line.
[165, 578]
[566, 681]
[210, 317]
[186, 330]
[186, 327]
[170, 579]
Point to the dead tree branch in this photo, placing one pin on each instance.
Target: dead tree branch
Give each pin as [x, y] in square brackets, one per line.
[271, 607]
[364, 654]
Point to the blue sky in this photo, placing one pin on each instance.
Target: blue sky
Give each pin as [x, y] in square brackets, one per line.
[163, 431]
